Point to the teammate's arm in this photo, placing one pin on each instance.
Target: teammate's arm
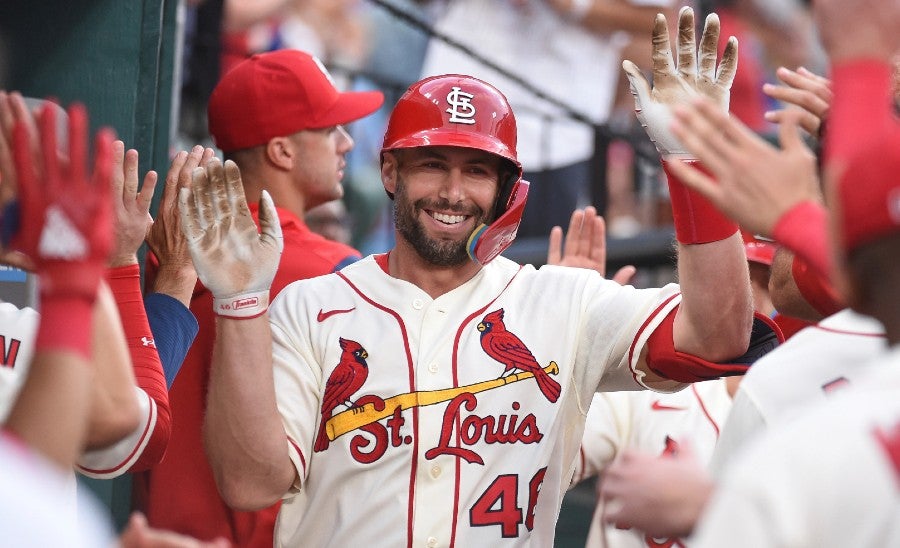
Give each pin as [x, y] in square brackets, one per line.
[51, 413]
[114, 409]
[243, 432]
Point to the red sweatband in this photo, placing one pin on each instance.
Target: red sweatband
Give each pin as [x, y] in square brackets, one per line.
[66, 324]
[696, 220]
[862, 106]
[125, 283]
[804, 230]
[815, 288]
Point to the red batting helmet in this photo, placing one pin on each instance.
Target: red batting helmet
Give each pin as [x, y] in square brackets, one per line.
[463, 111]
[759, 249]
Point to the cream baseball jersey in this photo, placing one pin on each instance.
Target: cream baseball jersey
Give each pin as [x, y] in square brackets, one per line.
[18, 328]
[812, 364]
[827, 479]
[454, 421]
[651, 423]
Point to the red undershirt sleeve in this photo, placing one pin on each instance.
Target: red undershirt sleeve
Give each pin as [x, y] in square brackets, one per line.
[126, 287]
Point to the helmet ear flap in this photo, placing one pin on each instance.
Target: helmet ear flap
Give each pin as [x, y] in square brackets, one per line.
[488, 241]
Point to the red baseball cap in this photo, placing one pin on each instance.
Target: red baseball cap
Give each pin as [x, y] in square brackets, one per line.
[279, 93]
[868, 194]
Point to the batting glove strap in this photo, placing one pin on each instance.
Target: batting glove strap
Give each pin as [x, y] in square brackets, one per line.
[242, 306]
[696, 219]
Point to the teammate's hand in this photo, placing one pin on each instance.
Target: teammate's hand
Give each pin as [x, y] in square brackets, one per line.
[12, 109]
[139, 534]
[679, 85]
[131, 207]
[755, 182]
[233, 259]
[176, 275]
[803, 91]
[585, 245]
[661, 496]
[65, 221]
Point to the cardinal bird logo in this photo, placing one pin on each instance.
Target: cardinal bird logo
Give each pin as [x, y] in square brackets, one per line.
[348, 376]
[508, 349]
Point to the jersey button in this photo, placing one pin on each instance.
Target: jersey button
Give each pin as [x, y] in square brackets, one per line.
[418, 304]
[431, 542]
[433, 367]
[435, 472]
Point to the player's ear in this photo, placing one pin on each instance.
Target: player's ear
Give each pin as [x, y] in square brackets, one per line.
[280, 152]
[390, 167]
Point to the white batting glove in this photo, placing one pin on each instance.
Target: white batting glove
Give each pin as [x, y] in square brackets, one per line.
[673, 86]
[233, 260]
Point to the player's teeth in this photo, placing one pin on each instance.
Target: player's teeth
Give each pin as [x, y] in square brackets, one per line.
[449, 219]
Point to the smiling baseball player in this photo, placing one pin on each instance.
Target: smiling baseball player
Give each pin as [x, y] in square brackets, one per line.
[451, 383]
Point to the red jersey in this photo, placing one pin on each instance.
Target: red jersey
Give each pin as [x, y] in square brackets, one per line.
[180, 493]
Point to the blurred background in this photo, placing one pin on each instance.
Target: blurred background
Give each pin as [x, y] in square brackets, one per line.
[147, 67]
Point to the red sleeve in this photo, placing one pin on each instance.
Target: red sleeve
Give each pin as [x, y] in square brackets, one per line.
[862, 106]
[125, 283]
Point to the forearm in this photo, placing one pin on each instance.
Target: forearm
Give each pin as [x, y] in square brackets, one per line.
[174, 329]
[606, 16]
[862, 105]
[114, 411]
[716, 312]
[609, 16]
[715, 316]
[176, 282]
[148, 373]
[243, 432]
[51, 412]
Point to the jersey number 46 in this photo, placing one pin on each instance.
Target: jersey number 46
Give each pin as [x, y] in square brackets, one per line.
[499, 504]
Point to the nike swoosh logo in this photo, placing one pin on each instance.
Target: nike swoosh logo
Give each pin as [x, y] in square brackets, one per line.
[322, 316]
[657, 406]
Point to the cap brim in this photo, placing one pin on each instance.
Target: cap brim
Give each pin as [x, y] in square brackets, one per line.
[351, 106]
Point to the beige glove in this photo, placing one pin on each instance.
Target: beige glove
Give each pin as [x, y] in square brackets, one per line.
[672, 86]
[232, 259]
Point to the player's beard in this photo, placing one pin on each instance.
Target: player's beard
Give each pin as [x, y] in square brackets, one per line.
[435, 251]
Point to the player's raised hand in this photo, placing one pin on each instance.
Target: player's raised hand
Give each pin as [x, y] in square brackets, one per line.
[233, 259]
[176, 275]
[585, 245]
[131, 206]
[803, 91]
[755, 182]
[675, 84]
[12, 110]
[65, 223]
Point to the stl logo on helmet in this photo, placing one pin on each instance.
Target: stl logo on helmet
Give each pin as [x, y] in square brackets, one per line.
[461, 110]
